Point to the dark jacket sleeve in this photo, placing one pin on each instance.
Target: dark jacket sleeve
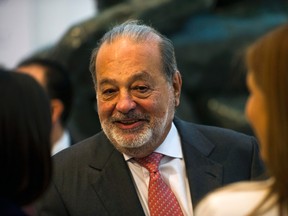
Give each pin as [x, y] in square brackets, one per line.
[257, 165]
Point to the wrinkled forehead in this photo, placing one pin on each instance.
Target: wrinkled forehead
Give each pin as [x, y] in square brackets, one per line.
[124, 56]
[123, 43]
[127, 47]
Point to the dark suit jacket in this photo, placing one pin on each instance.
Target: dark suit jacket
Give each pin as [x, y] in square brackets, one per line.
[92, 177]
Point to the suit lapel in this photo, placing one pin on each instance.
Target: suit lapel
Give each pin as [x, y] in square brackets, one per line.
[112, 181]
[204, 174]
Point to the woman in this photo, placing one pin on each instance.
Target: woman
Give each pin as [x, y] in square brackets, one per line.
[267, 112]
[25, 124]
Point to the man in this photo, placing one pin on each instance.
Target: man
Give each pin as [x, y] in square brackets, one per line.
[138, 87]
[56, 81]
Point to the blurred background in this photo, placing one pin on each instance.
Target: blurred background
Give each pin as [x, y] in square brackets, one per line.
[210, 37]
[29, 25]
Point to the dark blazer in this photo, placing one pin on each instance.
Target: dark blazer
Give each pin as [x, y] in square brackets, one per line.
[92, 177]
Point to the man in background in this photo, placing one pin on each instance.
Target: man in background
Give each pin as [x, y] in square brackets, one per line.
[56, 81]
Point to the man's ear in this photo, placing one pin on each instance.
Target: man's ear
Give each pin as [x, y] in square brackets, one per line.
[177, 85]
[57, 108]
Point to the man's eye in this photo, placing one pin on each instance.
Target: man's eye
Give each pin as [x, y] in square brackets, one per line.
[142, 89]
[108, 91]
[108, 94]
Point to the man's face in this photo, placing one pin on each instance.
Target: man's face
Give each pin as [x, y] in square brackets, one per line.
[135, 101]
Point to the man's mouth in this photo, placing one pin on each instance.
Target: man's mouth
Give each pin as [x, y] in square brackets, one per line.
[128, 124]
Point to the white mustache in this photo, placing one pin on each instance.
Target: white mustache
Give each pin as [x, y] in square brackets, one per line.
[129, 116]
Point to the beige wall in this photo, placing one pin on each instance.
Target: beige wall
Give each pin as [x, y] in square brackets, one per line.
[29, 25]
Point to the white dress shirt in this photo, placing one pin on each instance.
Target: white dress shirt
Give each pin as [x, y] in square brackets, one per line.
[237, 199]
[62, 143]
[172, 169]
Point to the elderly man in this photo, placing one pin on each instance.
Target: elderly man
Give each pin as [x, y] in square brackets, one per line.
[146, 161]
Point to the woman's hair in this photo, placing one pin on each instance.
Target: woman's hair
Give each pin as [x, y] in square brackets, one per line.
[25, 125]
[267, 59]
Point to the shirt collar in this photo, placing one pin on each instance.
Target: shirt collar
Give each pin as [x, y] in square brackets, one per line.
[63, 142]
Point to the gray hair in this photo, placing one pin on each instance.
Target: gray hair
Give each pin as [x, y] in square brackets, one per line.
[139, 32]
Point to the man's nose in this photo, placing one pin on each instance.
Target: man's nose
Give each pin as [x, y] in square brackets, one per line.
[125, 103]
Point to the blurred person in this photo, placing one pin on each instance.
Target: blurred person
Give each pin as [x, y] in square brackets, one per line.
[25, 126]
[138, 87]
[56, 81]
[267, 112]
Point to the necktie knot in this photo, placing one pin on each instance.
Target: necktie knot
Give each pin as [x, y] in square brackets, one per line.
[150, 162]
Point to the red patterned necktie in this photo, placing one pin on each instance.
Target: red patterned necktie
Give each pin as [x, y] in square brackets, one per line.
[161, 199]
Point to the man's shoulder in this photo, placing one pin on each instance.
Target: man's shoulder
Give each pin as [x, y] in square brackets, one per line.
[211, 138]
[222, 132]
[210, 131]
